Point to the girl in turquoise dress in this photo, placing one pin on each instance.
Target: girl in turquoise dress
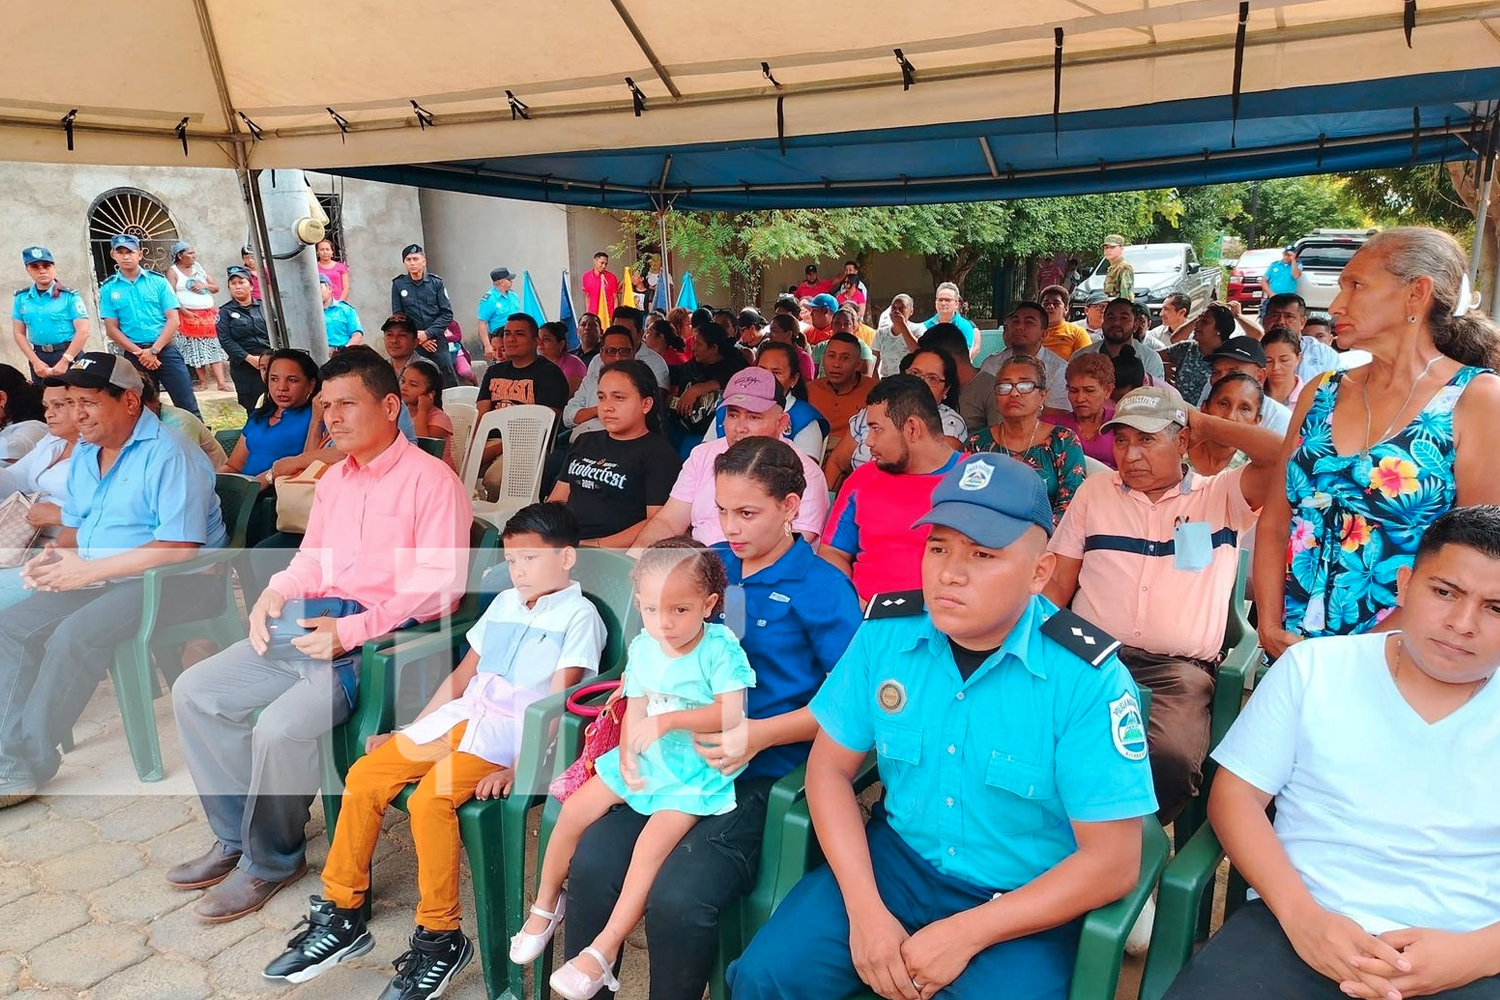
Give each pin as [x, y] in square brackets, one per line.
[684, 676]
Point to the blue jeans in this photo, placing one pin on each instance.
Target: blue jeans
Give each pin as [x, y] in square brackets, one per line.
[802, 953]
[173, 378]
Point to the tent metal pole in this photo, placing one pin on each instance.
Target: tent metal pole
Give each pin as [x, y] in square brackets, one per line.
[1495, 292]
[260, 240]
[1481, 215]
[666, 268]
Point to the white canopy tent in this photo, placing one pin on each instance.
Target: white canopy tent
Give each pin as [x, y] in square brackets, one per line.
[349, 83]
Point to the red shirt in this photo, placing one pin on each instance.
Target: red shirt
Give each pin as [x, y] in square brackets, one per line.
[595, 285]
[808, 289]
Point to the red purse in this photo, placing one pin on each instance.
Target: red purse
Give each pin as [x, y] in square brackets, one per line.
[601, 736]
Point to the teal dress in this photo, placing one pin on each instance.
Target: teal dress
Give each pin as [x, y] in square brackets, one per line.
[1057, 458]
[1357, 519]
[677, 778]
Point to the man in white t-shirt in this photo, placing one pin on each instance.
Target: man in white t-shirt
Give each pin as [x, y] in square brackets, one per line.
[1378, 878]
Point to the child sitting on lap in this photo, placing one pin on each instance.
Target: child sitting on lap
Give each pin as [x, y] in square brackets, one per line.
[540, 636]
[684, 676]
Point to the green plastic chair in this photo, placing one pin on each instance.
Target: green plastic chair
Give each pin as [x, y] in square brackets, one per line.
[433, 446]
[990, 342]
[494, 831]
[1240, 654]
[1183, 904]
[132, 671]
[1101, 944]
[228, 438]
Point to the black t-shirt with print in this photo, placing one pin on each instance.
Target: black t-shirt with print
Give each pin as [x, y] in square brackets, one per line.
[540, 382]
[611, 483]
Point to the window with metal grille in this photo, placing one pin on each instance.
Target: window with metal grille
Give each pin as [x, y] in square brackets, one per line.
[127, 210]
[333, 207]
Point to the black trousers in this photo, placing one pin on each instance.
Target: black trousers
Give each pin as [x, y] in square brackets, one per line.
[713, 866]
[248, 386]
[1251, 959]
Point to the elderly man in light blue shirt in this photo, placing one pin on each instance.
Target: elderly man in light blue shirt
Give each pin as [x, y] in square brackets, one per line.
[139, 497]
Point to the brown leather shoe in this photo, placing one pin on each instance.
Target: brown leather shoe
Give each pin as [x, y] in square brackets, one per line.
[208, 869]
[239, 894]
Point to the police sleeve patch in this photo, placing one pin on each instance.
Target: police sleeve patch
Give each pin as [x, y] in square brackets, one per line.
[1080, 637]
[1127, 728]
[897, 604]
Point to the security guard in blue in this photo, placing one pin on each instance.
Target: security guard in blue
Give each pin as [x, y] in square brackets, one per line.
[1013, 754]
[498, 304]
[48, 320]
[423, 298]
[140, 314]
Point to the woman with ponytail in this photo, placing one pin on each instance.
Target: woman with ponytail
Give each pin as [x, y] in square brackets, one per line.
[1378, 453]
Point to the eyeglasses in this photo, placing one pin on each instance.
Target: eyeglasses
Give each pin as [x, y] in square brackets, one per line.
[1006, 388]
[930, 378]
[618, 352]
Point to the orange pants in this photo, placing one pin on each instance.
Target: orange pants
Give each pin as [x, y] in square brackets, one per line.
[445, 780]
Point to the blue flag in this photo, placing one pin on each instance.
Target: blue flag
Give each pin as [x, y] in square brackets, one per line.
[661, 301]
[530, 304]
[687, 298]
[565, 313]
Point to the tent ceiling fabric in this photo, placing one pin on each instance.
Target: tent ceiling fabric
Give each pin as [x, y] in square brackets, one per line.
[1145, 88]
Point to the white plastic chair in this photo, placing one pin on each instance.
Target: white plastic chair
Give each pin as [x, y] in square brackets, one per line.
[460, 394]
[464, 417]
[527, 433]
[1093, 465]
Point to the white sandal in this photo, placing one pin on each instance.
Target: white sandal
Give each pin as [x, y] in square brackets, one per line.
[526, 947]
[572, 983]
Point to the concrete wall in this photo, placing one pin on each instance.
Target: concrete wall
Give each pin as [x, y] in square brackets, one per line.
[590, 231]
[48, 204]
[469, 235]
[379, 219]
[885, 274]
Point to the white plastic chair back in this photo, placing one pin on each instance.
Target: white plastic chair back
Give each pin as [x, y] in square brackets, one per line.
[460, 394]
[1093, 465]
[464, 417]
[527, 432]
[488, 424]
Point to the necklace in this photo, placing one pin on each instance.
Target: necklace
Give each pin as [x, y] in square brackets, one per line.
[1030, 439]
[1396, 672]
[1364, 396]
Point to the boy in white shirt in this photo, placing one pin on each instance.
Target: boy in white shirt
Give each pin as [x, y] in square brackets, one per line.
[1381, 875]
[539, 637]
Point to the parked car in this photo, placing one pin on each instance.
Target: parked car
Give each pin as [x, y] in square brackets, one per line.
[1323, 254]
[1160, 269]
[1244, 278]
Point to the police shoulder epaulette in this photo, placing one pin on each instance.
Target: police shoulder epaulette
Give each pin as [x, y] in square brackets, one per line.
[896, 604]
[23, 291]
[1080, 637]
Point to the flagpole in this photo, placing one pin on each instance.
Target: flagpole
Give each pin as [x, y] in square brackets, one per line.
[666, 268]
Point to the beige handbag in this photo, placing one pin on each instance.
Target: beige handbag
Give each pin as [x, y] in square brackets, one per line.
[294, 498]
[17, 535]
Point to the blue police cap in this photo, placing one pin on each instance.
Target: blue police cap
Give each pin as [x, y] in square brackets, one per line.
[323, 280]
[124, 240]
[37, 255]
[179, 247]
[992, 499]
[241, 272]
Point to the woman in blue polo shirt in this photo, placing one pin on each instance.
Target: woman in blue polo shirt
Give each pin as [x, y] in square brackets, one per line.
[795, 615]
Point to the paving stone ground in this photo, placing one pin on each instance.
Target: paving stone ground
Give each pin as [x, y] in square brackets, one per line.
[86, 913]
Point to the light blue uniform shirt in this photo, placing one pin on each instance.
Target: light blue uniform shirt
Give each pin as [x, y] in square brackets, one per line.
[982, 777]
[495, 309]
[970, 333]
[1280, 278]
[48, 318]
[340, 323]
[139, 306]
[160, 489]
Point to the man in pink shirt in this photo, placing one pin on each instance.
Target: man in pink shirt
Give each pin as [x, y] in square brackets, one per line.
[754, 405]
[601, 282]
[869, 534]
[1151, 557]
[387, 537]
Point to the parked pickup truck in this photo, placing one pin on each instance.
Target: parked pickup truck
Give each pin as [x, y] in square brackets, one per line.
[1160, 269]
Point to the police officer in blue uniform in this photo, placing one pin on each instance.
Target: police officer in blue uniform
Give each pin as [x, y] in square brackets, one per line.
[242, 331]
[140, 314]
[424, 299]
[1013, 755]
[498, 304]
[49, 321]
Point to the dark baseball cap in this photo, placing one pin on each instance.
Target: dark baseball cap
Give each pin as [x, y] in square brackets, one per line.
[37, 255]
[992, 499]
[98, 369]
[1241, 349]
[501, 274]
[242, 272]
[751, 317]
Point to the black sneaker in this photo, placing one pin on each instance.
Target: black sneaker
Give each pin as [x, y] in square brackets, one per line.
[427, 968]
[332, 936]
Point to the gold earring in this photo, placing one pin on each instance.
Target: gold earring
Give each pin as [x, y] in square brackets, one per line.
[787, 527]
